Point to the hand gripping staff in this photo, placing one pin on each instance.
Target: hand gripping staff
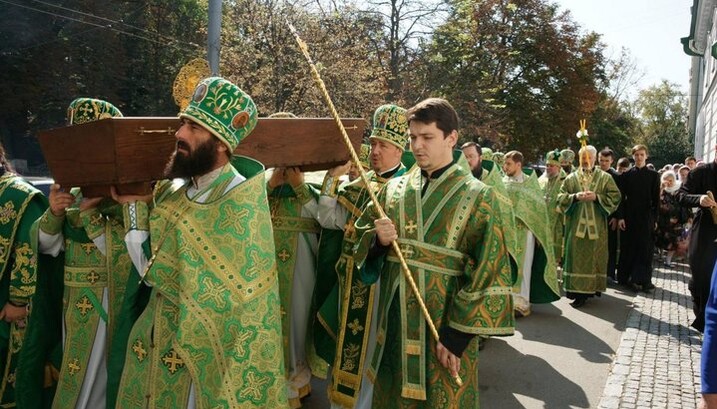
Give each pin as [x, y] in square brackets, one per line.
[354, 157]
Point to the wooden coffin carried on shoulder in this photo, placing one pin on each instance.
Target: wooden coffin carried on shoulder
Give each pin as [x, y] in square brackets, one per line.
[132, 152]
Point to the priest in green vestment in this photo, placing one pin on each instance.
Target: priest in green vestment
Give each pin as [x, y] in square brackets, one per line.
[87, 235]
[293, 205]
[537, 270]
[488, 172]
[350, 313]
[20, 205]
[210, 336]
[587, 197]
[550, 182]
[567, 157]
[449, 231]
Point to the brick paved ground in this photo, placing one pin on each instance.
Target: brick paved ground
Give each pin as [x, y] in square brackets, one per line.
[658, 361]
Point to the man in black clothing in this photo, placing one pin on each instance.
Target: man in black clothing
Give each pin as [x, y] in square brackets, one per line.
[640, 188]
[606, 158]
[702, 250]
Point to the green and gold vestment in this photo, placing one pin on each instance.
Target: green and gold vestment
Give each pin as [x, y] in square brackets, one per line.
[586, 230]
[452, 239]
[94, 283]
[213, 321]
[556, 218]
[20, 205]
[493, 177]
[531, 216]
[353, 303]
[296, 240]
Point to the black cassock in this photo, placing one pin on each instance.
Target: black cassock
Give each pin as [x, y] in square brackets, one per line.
[612, 235]
[640, 188]
[702, 250]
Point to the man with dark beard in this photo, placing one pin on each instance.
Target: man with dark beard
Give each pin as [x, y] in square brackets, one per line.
[210, 335]
[473, 153]
[567, 156]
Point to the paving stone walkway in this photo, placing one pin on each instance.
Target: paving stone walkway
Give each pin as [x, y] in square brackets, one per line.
[657, 364]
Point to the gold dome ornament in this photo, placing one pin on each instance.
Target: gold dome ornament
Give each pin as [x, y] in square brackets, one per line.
[187, 79]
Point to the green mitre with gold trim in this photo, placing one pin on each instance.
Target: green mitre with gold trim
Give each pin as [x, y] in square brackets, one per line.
[552, 157]
[567, 156]
[486, 153]
[223, 109]
[83, 110]
[364, 155]
[499, 158]
[390, 125]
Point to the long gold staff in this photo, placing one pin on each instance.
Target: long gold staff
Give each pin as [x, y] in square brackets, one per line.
[584, 169]
[354, 157]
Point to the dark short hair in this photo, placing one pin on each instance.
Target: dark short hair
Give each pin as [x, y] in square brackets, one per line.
[607, 152]
[623, 163]
[515, 156]
[471, 143]
[689, 158]
[436, 110]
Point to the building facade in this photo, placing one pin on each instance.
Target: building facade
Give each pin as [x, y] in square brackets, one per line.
[701, 45]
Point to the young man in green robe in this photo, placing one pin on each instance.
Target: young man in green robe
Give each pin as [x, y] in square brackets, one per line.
[210, 336]
[88, 237]
[550, 182]
[21, 204]
[450, 233]
[587, 197]
[352, 309]
[537, 270]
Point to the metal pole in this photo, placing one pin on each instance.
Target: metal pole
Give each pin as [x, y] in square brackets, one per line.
[214, 34]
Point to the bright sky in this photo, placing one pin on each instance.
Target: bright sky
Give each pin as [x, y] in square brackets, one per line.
[650, 29]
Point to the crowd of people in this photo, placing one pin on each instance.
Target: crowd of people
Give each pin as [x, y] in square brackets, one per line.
[229, 288]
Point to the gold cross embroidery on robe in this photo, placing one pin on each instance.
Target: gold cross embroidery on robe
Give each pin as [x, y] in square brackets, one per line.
[7, 212]
[411, 227]
[93, 277]
[355, 326]
[74, 366]
[284, 255]
[407, 250]
[172, 361]
[84, 305]
[87, 247]
[138, 349]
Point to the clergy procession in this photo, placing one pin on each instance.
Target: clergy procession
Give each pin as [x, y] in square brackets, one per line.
[226, 285]
[238, 255]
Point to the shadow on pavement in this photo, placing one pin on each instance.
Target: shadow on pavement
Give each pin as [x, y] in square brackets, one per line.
[534, 377]
[547, 325]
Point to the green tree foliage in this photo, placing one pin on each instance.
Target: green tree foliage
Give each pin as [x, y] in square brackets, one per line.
[521, 73]
[179, 28]
[126, 52]
[261, 55]
[662, 113]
